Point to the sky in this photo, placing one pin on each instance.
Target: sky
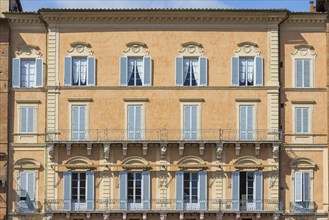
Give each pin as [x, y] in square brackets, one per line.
[292, 5]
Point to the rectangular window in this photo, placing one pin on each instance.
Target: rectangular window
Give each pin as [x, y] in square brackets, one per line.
[302, 118]
[135, 122]
[26, 192]
[246, 71]
[78, 187]
[191, 117]
[191, 72]
[79, 123]
[134, 187]
[302, 201]
[135, 72]
[246, 122]
[28, 73]
[26, 118]
[79, 71]
[191, 187]
[303, 73]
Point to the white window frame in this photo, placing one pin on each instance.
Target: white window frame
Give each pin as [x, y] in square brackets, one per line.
[80, 58]
[79, 102]
[135, 103]
[199, 120]
[255, 122]
[28, 83]
[34, 118]
[79, 204]
[133, 204]
[192, 204]
[253, 73]
[310, 120]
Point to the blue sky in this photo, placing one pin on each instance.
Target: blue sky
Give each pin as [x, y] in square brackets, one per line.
[293, 5]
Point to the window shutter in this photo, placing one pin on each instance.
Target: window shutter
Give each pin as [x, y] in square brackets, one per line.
[298, 120]
[305, 121]
[123, 176]
[22, 184]
[306, 187]
[16, 68]
[299, 73]
[146, 178]
[203, 70]
[138, 122]
[179, 71]
[67, 176]
[90, 182]
[123, 71]
[82, 122]
[298, 187]
[179, 190]
[68, 71]
[243, 123]
[307, 73]
[203, 190]
[23, 119]
[75, 122]
[259, 70]
[91, 63]
[235, 191]
[39, 72]
[30, 119]
[194, 122]
[235, 70]
[259, 190]
[250, 122]
[147, 70]
[131, 122]
[187, 122]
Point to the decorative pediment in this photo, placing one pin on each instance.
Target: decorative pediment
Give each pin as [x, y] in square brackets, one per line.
[80, 48]
[27, 164]
[79, 162]
[28, 51]
[191, 163]
[191, 49]
[136, 49]
[302, 162]
[304, 51]
[247, 163]
[135, 163]
[247, 48]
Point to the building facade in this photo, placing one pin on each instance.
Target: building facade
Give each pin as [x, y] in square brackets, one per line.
[168, 114]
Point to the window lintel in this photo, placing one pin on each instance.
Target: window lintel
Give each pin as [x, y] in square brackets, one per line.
[80, 48]
[247, 49]
[191, 49]
[135, 49]
[28, 51]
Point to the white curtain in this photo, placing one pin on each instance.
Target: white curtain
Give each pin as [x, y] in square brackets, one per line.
[79, 71]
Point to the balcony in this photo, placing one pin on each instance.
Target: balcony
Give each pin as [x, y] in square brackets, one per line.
[267, 205]
[27, 207]
[302, 208]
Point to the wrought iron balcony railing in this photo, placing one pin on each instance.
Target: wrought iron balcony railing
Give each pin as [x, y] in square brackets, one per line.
[106, 135]
[302, 207]
[266, 205]
[27, 207]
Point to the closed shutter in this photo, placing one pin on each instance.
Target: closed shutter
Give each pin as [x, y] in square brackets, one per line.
[138, 122]
[250, 122]
[22, 184]
[235, 70]
[179, 190]
[30, 194]
[131, 122]
[67, 176]
[305, 120]
[298, 120]
[147, 70]
[123, 177]
[123, 71]
[299, 72]
[191, 122]
[23, 119]
[146, 178]
[306, 187]
[235, 191]
[78, 126]
[39, 72]
[307, 73]
[187, 122]
[259, 70]
[259, 190]
[243, 122]
[203, 69]
[194, 122]
[298, 186]
[16, 69]
[179, 71]
[246, 123]
[75, 122]
[83, 122]
[91, 62]
[30, 119]
[68, 71]
[203, 190]
[134, 122]
[90, 185]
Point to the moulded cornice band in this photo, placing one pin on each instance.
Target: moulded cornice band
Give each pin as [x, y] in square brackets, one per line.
[80, 99]
[303, 102]
[136, 99]
[247, 99]
[192, 100]
[28, 101]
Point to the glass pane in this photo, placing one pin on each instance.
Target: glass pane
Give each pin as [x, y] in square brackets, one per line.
[138, 192]
[82, 176]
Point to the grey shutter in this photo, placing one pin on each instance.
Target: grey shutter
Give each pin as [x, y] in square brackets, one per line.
[306, 187]
[30, 194]
[250, 122]
[187, 122]
[259, 190]
[123, 177]
[91, 63]
[243, 123]
[203, 69]
[22, 184]
[298, 187]
[23, 119]
[68, 71]
[179, 71]
[299, 73]
[82, 122]
[305, 120]
[259, 70]
[307, 73]
[90, 185]
[75, 122]
[146, 178]
[16, 70]
[30, 119]
[235, 70]
[179, 190]
[138, 122]
[203, 190]
[147, 63]
[67, 176]
[39, 72]
[194, 122]
[235, 191]
[123, 71]
[131, 122]
[299, 116]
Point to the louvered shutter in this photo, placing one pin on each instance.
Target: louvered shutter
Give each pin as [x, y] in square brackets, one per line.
[203, 190]
[250, 122]
[259, 70]
[146, 178]
[22, 184]
[298, 120]
[179, 176]
[131, 122]
[194, 122]
[30, 194]
[187, 122]
[235, 70]
[30, 119]
[75, 122]
[67, 176]
[235, 191]
[243, 122]
[16, 76]
[305, 120]
[123, 177]
[307, 73]
[203, 70]
[138, 122]
[82, 123]
[179, 71]
[23, 119]
[68, 71]
[123, 71]
[147, 61]
[90, 188]
[299, 72]
[306, 187]
[298, 186]
[39, 72]
[259, 190]
[91, 63]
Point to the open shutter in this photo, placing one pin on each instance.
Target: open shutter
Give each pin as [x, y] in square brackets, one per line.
[179, 190]
[194, 122]
[187, 122]
[16, 69]
[123, 71]
[67, 190]
[68, 71]
[30, 119]
[243, 122]
[203, 190]
[250, 122]
[306, 187]
[90, 185]
[39, 72]
[23, 119]
[299, 72]
[305, 120]
[91, 62]
[235, 70]
[123, 178]
[203, 69]
[235, 191]
[147, 71]
[298, 187]
[307, 73]
[259, 190]
[259, 70]
[179, 71]
[146, 178]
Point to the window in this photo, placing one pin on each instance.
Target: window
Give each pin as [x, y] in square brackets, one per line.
[246, 123]
[134, 122]
[191, 188]
[191, 71]
[302, 120]
[27, 73]
[79, 122]
[79, 187]
[247, 71]
[26, 193]
[80, 71]
[303, 73]
[134, 190]
[191, 122]
[135, 71]
[26, 119]
[302, 201]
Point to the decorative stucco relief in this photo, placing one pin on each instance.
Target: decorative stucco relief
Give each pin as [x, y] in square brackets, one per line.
[247, 49]
[136, 49]
[191, 48]
[80, 48]
[28, 51]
